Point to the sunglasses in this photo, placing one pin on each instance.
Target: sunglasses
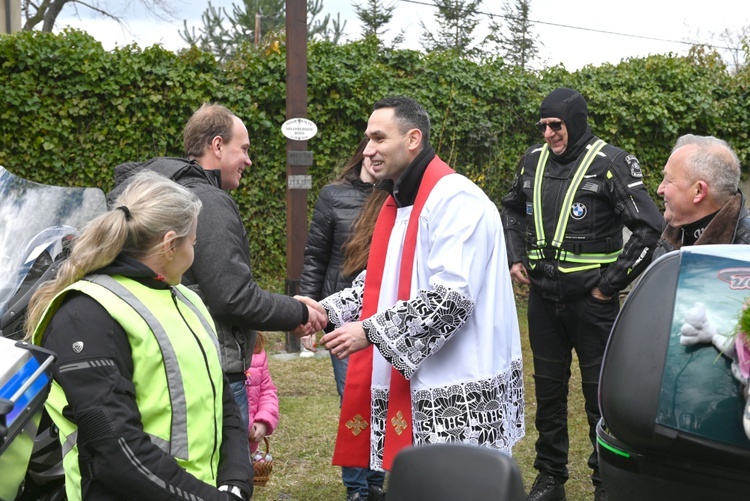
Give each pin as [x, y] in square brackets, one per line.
[555, 126]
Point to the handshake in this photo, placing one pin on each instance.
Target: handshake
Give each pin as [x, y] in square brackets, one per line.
[316, 320]
[341, 342]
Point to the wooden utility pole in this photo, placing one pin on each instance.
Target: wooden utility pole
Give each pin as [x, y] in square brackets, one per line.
[10, 16]
[298, 158]
[257, 29]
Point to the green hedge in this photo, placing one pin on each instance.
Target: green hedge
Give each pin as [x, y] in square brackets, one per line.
[73, 111]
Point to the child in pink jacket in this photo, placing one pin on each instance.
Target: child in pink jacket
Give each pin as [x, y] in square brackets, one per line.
[262, 397]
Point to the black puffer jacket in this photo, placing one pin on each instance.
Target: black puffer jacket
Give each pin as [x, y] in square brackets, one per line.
[335, 211]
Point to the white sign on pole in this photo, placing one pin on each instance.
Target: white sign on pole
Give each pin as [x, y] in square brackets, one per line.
[299, 129]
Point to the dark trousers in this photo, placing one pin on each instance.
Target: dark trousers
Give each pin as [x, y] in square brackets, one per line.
[555, 329]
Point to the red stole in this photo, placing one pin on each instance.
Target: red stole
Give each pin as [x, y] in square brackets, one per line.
[353, 438]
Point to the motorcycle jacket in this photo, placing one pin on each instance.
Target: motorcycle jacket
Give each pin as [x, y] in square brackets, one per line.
[564, 219]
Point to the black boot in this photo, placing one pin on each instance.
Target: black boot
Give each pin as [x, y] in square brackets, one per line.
[376, 493]
[546, 488]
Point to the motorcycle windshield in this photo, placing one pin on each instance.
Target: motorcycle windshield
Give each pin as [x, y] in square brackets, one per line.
[34, 218]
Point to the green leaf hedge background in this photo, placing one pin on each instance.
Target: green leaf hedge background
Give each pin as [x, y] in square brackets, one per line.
[72, 111]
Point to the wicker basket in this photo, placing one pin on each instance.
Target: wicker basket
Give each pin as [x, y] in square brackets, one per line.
[262, 469]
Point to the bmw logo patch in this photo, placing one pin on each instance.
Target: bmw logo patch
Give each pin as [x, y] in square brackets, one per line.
[578, 211]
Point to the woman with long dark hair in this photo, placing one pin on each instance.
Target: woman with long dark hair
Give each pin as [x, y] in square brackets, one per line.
[325, 272]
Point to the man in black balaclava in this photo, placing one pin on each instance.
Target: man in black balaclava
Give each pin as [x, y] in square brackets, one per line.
[576, 265]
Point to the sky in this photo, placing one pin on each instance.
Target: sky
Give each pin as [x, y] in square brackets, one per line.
[573, 33]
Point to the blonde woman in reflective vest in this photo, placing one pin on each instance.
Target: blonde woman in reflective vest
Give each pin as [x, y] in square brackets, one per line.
[142, 405]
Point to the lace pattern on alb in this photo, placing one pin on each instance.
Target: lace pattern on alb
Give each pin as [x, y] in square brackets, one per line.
[489, 413]
[345, 306]
[411, 331]
[377, 421]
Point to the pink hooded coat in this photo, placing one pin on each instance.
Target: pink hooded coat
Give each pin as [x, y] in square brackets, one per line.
[262, 397]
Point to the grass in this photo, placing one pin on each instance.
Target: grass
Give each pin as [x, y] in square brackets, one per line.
[302, 445]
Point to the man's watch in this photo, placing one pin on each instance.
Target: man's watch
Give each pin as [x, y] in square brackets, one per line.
[233, 490]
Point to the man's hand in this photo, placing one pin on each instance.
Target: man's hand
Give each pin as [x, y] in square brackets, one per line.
[518, 273]
[316, 321]
[347, 339]
[233, 492]
[597, 294]
[317, 318]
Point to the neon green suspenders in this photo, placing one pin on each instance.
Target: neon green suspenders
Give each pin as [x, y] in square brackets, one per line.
[538, 177]
[588, 260]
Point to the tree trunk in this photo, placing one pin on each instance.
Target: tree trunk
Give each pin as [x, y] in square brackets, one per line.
[55, 6]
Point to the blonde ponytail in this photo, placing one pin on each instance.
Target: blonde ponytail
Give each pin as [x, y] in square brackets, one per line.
[149, 208]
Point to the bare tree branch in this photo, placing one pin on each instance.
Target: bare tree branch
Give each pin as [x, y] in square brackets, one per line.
[47, 12]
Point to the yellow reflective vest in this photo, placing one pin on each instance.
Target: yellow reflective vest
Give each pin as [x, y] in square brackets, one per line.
[176, 373]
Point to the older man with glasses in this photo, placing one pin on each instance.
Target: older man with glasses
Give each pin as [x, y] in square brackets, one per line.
[563, 221]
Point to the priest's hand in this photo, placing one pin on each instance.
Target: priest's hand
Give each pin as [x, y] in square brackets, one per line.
[347, 339]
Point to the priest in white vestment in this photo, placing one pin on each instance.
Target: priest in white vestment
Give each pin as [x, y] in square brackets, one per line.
[431, 326]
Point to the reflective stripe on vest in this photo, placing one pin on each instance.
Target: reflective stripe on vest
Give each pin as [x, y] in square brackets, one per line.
[177, 444]
[179, 441]
[538, 177]
[70, 442]
[563, 255]
[562, 222]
